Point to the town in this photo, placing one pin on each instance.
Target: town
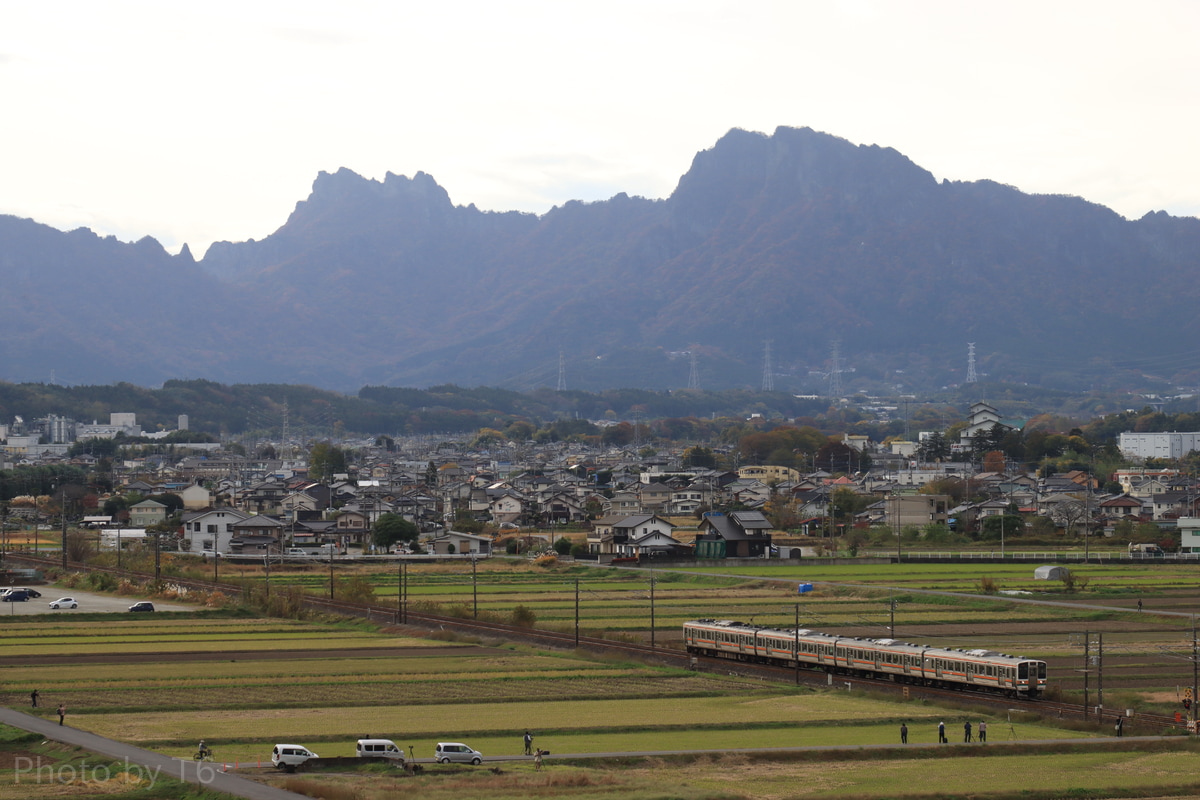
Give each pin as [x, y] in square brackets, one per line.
[468, 495]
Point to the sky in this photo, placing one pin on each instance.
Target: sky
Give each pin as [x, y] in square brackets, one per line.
[208, 121]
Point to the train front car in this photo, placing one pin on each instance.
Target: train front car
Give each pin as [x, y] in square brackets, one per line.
[1031, 678]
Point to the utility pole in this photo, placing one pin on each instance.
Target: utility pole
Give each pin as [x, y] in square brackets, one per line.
[577, 613]
[475, 597]
[64, 527]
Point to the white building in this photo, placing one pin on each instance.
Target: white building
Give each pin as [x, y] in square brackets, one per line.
[1189, 534]
[1158, 445]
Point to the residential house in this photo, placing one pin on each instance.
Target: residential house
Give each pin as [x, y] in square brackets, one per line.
[147, 513]
[653, 498]
[506, 505]
[458, 542]
[195, 497]
[740, 534]
[602, 538]
[211, 529]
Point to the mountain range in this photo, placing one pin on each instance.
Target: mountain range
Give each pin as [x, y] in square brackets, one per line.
[794, 260]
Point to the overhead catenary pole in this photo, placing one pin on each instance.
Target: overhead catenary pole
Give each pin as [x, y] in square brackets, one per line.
[652, 643]
[1087, 638]
[796, 644]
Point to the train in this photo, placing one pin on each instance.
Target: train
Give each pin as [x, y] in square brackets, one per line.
[901, 662]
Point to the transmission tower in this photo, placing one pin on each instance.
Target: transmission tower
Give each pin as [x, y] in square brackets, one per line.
[768, 374]
[971, 376]
[835, 369]
[562, 372]
[286, 429]
[694, 377]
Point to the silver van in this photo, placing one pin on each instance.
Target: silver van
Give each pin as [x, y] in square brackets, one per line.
[379, 748]
[289, 756]
[456, 751]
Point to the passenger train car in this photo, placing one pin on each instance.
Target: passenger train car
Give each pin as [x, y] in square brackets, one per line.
[900, 661]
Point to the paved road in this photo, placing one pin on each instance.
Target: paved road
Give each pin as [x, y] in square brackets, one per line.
[155, 765]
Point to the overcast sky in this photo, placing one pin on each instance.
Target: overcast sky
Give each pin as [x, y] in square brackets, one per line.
[203, 121]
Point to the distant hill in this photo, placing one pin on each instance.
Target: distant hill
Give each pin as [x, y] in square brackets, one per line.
[799, 237]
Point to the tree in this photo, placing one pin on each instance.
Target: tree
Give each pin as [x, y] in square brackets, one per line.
[993, 461]
[391, 528]
[1068, 515]
[325, 460]
[847, 502]
[933, 448]
[562, 546]
[1002, 526]
[702, 457]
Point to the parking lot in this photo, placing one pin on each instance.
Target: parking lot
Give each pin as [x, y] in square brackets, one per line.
[88, 601]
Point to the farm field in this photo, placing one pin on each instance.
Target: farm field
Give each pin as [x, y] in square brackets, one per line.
[243, 683]
[1145, 657]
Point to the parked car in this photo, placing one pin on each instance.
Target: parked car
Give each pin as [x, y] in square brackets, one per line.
[289, 756]
[145, 605]
[378, 748]
[28, 591]
[458, 752]
[15, 596]
[64, 602]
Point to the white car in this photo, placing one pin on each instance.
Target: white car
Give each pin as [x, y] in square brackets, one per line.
[289, 756]
[65, 602]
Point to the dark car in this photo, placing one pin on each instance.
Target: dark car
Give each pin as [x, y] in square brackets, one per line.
[15, 596]
[30, 592]
[142, 606]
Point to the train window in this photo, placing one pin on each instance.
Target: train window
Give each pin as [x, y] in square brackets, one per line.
[1042, 670]
[1023, 670]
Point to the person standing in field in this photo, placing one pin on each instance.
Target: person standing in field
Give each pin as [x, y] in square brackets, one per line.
[62, 713]
[941, 733]
[33, 696]
[528, 743]
[537, 761]
[982, 731]
[967, 731]
[903, 733]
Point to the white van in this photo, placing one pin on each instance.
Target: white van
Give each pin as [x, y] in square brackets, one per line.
[445, 752]
[379, 748]
[290, 756]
